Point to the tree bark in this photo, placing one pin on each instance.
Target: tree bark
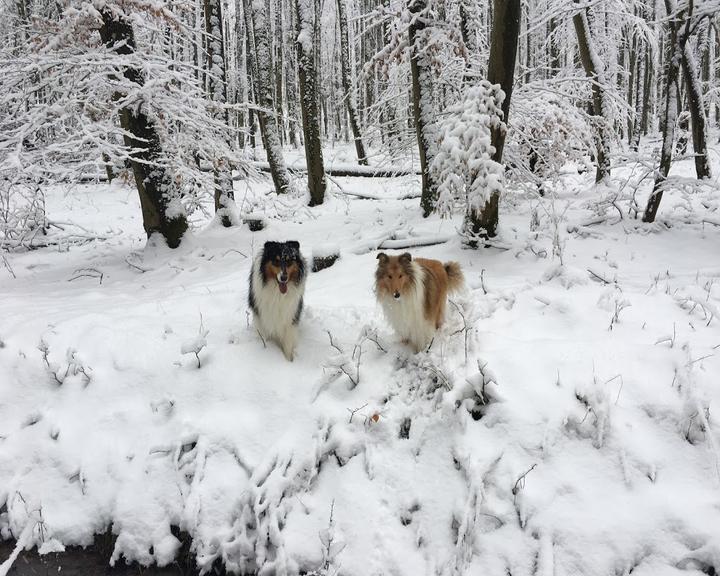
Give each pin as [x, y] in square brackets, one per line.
[308, 34]
[670, 113]
[261, 65]
[422, 104]
[347, 83]
[153, 183]
[594, 70]
[217, 88]
[697, 112]
[501, 70]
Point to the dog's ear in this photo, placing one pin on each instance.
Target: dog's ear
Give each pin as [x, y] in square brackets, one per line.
[405, 258]
[293, 244]
[383, 258]
[270, 245]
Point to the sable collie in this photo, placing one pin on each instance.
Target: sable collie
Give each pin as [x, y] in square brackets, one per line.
[277, 286]
[413, 294]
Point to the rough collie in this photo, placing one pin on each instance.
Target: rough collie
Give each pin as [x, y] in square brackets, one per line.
[277, 286]
[413, 294]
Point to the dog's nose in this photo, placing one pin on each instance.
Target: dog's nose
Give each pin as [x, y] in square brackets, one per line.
[283, 278]
[397, 295]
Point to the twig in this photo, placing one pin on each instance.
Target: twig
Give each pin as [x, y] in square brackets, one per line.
[233, 250]
[520, 482]
[352, 412]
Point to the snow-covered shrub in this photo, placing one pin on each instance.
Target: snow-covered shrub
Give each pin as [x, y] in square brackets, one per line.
[467, 175]
[62, 91]
[22, 214]
[545, 133]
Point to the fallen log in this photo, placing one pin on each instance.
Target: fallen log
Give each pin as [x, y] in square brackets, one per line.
[343, 171]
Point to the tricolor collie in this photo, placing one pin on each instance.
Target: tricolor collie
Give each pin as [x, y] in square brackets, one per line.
[413, 295]
[277, 286]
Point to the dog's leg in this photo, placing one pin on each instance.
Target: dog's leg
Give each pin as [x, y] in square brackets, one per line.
[260, 329]
[289, 342]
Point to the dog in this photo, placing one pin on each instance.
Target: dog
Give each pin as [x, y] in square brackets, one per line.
[277, 287]
[413, 294]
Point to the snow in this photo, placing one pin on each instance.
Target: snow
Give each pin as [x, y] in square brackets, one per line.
[563, 421]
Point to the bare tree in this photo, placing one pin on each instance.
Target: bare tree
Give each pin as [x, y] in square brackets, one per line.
[676, 42]
[141, 137]
[348, 88]
[256, 19]
[501, 70]
[217, 89]
[308, 23]
[595, 71]
[422, 102]
[697, 111]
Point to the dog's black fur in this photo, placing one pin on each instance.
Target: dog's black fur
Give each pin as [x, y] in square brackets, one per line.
[283, 254]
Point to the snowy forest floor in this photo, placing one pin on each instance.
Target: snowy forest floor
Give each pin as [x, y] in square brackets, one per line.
[564, 421]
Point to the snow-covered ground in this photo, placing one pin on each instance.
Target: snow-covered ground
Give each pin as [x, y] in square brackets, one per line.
[563, 422]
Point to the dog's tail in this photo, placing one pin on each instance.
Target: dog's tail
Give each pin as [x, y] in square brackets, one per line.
[456, 280]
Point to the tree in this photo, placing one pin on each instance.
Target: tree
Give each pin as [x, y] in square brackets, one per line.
[676, 42]
[349, 89]
[90, 90]
[256, 17]
[422, 103]
[680, 55]
[217, 89]
[501, 70]
[160, 214]
[697, 111]
[594, 69]
[464, 167]
[308, 23]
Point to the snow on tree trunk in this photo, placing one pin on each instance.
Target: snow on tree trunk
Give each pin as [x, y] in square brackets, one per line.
[595, 70]
[697, 112]
[217, 89]
[347, 83]
[161, 209]
[423, 109]
[308, 23]
[483, 219]
[464, 165]
[261, 64]
[669, 116]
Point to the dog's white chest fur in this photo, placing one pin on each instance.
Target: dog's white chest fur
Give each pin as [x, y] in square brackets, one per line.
[407, 314]
[276, 311]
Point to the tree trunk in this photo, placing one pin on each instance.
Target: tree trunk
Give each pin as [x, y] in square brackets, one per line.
[347, 83]
[141, 137]
[697, 112]
[217, 88]
[501, 70]
[422, 104]
[308, 34]
[670, 114]
[261, 65]
[594, 70]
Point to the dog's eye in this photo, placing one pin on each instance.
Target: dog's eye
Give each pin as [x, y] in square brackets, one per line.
[389, 276]
[400, 277]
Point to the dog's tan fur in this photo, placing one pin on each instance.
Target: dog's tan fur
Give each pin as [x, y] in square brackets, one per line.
[403, 285]
[271, 271]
